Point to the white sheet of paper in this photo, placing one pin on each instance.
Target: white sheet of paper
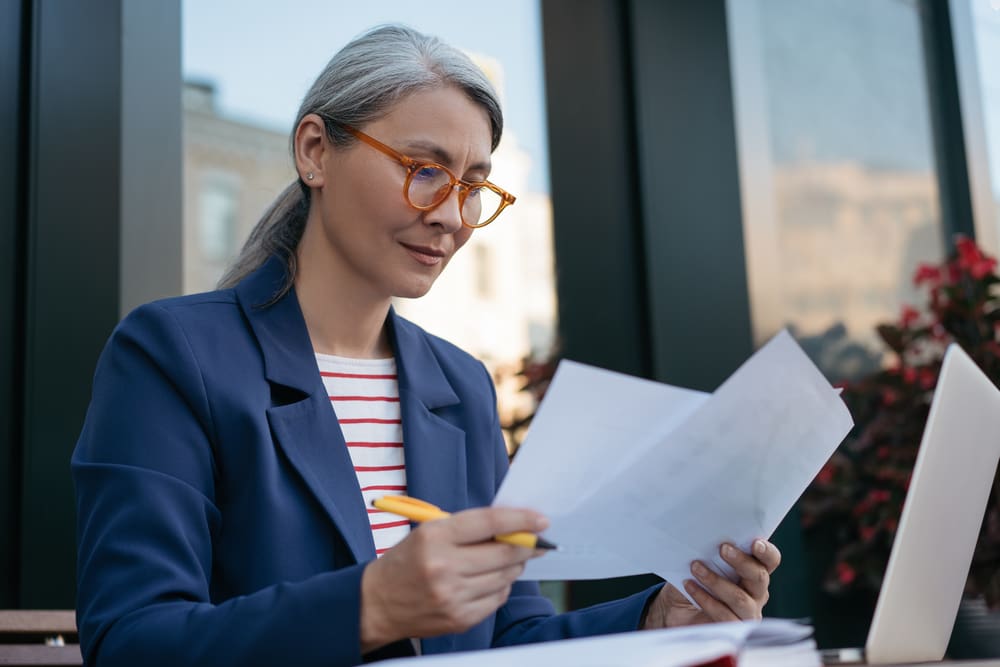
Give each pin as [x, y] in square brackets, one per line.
[591, 423]
[677, 647]
[643, 477]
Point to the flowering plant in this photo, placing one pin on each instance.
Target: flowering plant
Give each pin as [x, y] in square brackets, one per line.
[859, 493]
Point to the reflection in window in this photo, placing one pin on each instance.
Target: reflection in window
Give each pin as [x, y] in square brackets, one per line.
[484, 271]
[837, 169]
[217, 219]
[232, 171]
[986, 27]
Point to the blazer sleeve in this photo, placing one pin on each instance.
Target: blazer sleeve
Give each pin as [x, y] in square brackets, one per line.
[529, 617]
[144, 474]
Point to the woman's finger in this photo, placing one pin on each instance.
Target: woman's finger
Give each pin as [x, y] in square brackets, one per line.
[767, 554]
[738, 600]
[754, 575]
[489, 557]
[484, 523]
[485, 583]
[715, 609]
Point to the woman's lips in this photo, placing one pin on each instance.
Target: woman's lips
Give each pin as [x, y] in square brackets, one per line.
[425, 255]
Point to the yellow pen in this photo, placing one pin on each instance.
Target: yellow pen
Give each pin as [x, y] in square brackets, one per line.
[418, 510]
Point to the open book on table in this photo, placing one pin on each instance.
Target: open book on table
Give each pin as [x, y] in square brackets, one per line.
[769, 643]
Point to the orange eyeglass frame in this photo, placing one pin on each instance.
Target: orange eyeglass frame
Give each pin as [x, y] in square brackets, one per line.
[413, 166]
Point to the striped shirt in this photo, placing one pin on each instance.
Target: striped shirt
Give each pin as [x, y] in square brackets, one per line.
[364, 394]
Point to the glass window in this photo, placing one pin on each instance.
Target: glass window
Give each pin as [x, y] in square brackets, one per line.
[986, 30]
[838, 178]
[217, 218]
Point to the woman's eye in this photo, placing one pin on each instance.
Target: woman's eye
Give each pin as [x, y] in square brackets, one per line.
[427, 173]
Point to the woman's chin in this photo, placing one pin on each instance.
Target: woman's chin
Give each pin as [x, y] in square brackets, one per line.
[413, 290]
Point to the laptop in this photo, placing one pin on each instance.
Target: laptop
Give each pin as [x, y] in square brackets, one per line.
[938, 529]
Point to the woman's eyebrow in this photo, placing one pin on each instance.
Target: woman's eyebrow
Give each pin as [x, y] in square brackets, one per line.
[443, 156]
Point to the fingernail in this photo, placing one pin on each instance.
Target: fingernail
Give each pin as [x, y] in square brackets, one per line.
[759, 548]
[698, 569]
[728, 550]
[690, 586]
[541, 523]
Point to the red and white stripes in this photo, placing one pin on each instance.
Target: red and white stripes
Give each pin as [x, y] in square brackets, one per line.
[365, 395]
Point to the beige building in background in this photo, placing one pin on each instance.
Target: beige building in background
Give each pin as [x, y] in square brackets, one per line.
[232, 171]
[849, 238]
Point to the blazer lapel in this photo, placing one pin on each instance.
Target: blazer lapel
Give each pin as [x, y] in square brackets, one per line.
[434, 449]
[302, 421]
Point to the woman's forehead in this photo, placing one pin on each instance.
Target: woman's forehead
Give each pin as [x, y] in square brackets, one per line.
[443, 124]
[438, 114]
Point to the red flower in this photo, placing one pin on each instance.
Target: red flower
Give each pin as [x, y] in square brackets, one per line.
[879, 495]
[888, 397]
[867, 532]
[968, 252]
[927, 378]
[825, 475]
[845, 573]
[927, 273]
[882, 452]
[982, 267]
[909, 375]
[909, 316]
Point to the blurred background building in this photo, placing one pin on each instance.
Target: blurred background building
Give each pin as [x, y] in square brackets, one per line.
[691, 178]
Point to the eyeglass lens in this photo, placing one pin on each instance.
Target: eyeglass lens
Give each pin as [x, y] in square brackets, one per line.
[430, 186]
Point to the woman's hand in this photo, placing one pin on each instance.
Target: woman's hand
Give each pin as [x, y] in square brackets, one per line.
[445, 576]
[719, 598]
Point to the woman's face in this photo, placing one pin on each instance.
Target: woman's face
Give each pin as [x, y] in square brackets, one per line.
[379, 242]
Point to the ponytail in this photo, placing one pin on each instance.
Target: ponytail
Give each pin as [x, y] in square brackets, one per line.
[277, 233]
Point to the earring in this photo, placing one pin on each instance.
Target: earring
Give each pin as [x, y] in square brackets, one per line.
[309, 176]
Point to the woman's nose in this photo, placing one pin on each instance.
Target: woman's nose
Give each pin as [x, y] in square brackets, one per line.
[448, 213]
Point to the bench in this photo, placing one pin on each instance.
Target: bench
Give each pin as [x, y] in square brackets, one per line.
[38, 638]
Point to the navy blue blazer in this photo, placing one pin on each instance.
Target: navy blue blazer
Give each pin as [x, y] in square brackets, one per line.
[220, 520]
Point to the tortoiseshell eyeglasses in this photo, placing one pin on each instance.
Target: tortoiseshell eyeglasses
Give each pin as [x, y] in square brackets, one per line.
[428, 184]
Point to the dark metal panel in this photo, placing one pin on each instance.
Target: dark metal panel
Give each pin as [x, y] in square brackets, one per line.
[599, 262]
[700, 311]
[151, 199]
[72, 271]
[946, 119]
[13, 23]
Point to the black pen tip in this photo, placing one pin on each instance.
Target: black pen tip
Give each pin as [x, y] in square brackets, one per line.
[542, 543]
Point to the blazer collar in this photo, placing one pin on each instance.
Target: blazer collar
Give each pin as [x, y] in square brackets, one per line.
[279, 328]
[289, 360]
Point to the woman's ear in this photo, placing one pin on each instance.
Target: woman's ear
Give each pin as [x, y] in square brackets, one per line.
[311, 146]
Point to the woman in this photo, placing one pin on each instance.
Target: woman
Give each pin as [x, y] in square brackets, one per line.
[224, 507]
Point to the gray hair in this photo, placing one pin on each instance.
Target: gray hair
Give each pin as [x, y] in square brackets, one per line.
[360, 84]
